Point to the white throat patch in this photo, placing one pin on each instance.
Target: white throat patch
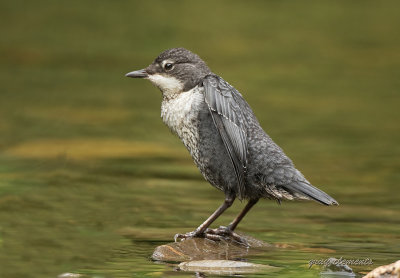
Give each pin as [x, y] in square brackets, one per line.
[168, 85]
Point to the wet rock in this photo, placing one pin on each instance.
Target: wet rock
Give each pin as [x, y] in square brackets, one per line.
[334, 269]
[205, 249]
[385, 271]
[70, 275]
[223, 267]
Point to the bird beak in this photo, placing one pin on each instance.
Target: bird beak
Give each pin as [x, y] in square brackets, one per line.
[138, 74]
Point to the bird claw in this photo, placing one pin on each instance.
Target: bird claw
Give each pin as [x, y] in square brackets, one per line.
[188, 235]
[219, 234]
[225, 233]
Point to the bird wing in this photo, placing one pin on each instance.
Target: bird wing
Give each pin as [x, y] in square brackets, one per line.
[222, 101]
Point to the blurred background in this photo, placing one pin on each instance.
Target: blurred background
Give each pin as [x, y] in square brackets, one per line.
[91, 181]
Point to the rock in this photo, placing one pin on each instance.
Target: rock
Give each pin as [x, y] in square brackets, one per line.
[70, 275]
[205, 249]
[385, 271]
[223, 267]
[334, 268]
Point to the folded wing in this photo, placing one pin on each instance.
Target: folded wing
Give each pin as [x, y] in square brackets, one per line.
[221, 99]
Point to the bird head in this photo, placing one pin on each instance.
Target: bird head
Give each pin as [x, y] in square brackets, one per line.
[174, 71]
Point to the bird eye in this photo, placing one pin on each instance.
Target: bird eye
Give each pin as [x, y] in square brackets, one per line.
[168, 66]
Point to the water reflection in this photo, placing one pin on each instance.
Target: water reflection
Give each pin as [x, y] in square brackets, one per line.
[124, 208]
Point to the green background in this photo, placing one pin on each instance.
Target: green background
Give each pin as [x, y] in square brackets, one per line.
[91, 181]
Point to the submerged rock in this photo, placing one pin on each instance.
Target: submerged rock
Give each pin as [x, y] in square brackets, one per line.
[385, 271]
[70, 275]
[223, 267]
[205, 249]
[334, 268]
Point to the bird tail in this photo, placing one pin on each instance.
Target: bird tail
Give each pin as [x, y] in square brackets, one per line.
[310, 192]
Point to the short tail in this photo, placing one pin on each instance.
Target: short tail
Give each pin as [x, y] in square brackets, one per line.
[311, 192]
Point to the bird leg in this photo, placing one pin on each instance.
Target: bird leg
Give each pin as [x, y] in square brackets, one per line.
[235, 222]
[200, 231]
[226, 232]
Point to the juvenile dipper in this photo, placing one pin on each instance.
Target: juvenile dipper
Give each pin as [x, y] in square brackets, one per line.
[224, 138]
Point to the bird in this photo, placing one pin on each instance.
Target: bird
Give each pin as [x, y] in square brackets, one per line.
[224, 138]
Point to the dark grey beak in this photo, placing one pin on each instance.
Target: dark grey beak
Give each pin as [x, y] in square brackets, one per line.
[137, 74]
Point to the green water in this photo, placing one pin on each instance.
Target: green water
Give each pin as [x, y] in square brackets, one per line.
[91, 181]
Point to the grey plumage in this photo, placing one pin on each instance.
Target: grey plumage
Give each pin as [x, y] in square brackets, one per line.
[222, 134]
[230, 122]
[268, 167]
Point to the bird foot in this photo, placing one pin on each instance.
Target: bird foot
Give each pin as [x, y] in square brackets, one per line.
[219, 234]
[225, 233]
[187, 235]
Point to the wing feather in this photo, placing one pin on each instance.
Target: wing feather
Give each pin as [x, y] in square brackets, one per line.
[230, 122]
